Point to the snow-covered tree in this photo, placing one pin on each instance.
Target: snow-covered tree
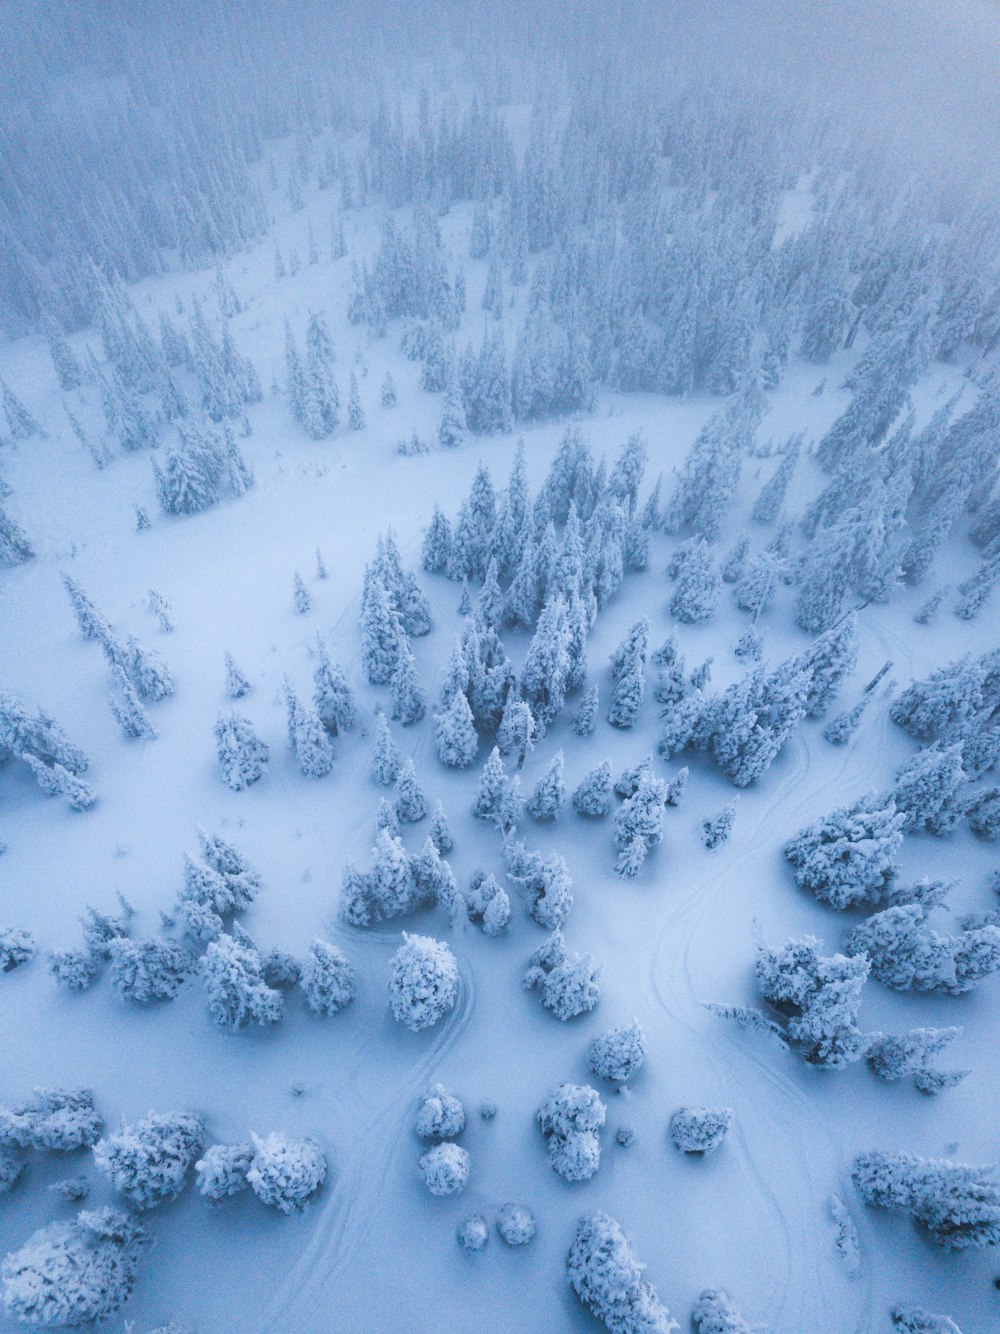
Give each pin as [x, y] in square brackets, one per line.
[455, 733]
[300, 595]
[333, 698]
[716, 1314]
[544, 882]
[549, 793]
[411, 804]
[222, 1170]
[586, 715]
[928, 791]
[607, 1278]
[285, 1172]
[445, 1169]
[440, 834]
[570, 1120]
[148, 1162]
[497, 801]
[715, 829]
[906, 952]
[441, 1115]
[75, 969]
[618, 1053]
[17, 946]
[515, 1224]
[700, 1129]
[308, 736]
[423, 982]
[385, 762]
[52, 1120]
[327, 978]
[473, 1233]
[237, 685]
[437, 544]
[593, 794]
[233, 974]
[698, 585]
[958, 1205]
[825, 991]
[639, 824]
[75, 1272]
[243, 757]
[849, 857]
[908, 1055]
[148, 970]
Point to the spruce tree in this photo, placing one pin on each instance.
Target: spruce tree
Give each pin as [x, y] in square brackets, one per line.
[243, 757]
[385, 761]
[547, 799]
[455, 734]
[308, 736]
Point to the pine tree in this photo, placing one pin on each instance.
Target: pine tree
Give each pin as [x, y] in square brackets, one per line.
[355, 412]
[628, 672]
[586, 715]
[129, 713]
[455, 734]
[437, 544]
[411, 804]
[440, 834]
[388, 391]
[547, 799]
[20, 422]
[697, 591]
[408, 701]
[593, 795]
[243, 757]
[237, 684]
[849, 857]
[386, 762]
[543, 679]
[91, 622]
[332, 696]
[716, 829]
[497, 801]
[15, 547]
[303, 602]
[929, 790]
[382, 636]
[308, 736]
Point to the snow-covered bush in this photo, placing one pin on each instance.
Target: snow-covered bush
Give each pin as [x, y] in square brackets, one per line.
[445, 1169]
[280, 969]
[959, 1205]
[11, 1168]
[849, 857]
[618, 1053]
[474, 1233]
[148, 970]
[423, 982]
[148, 1162]
[223, 1169]
[233, 974]
[74, 1273]
[983, 814]
[327, 978]
[487, 902]
[441, 1115]
[53, 1120]
[285, 1172]
[607, 1278]
[893, 1057]
[715, 1313]
[700, 1129]
[570, 1120]
[917, 1320]
[17, 946]
[516, 1224]
[75, 969]
[569, 984]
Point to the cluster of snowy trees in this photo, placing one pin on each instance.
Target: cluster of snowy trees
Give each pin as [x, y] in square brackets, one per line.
[570, 1120]
[607, 1278]
[283, 1173]
[568, 984]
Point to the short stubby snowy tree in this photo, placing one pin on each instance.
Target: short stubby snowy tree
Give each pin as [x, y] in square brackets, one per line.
[53, 1120]
[849, 857]
[607, 1278]
[223, 1170]
[619, 1053]
[74, 1273]
[233, 974]
[327, 978]
[516, 1224]
[445, 1169]
[17, 946]
[148, 970]
[148, 1162]
[473, 1233]
[570, 1120]
[285, 1173]
[700, 1129]
[423, 982]
[716, 1314]
[441, 1115]
[243, 757]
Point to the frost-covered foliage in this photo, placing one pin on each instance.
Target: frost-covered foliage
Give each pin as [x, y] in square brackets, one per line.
[849, 857]
[983, 814]
[441, 1115]
[285, 1172]
[53, 1120]
[516, 1224]
[618, 1053]
[327, 978]
[455, 734]
[928, 790]
[221, 882]
[639, 824]
[75, 969]
[917, 1320]
[907, 954]
[308, 737]
[473, 1233]
[488, 903]
[826, 992]
[222, 1170]
[544, 882]
[549, 794]
[700, 1129]
[569, 983]
[899, 1056]
[11, 1170]
[243, 757]
[74, 1273]
[698, 586]
[593, 794]
[17, 947]
[570, 1120]
[445, 1169]
[607, 1278]
[423, 982]
[410, 804]
[497, 800]
[387, 890]
[715, 829]
[938, 707]
[628, 673]
[149, 969]
[714, 1313]
[233, 974]
[148, 1162]
[958, 1205]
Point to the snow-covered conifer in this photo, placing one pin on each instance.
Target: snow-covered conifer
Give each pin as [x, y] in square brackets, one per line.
[716, 1314]
[385, 762]
[700, 1129]
[52, 1120]
[697, 591]
[515, 1224]
[593, 795]
[586, 715]
[382, 635]
[827, 994]
[549, 794]
[243, 757]
[237, 684]
[333, 698]
[308, 736]
[148, 970]
[57, 781]
[906, 952]
[455, 734]
[408, 701]
[570, 1120]
[607, 1278]
[285, 1172]
[440, 834]
[129, 713]
[618, 1053]
[411, 804]
[75, 969]
[901, 1056]
[148, 1162]
[17, 946]
[545, 883]
[928, 790]
[572, 987]
[716, 829]
[734, 564]
[445, 1169]
[958, 1205]
[20, 422]
[301, 598]
[441, 1115]
[423, 982]
[516, 733]
[849, 857]
[327, 978]
[437, 544]
[222, 1170]
[355, 412]
[233, 974]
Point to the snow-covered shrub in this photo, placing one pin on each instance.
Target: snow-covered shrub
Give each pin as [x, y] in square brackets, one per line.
[148, 970]
[849, 857]
[75, 969]
[825, 991]
[441, 1115]
[570, 1120]
[11, 1168]
[700, 1129]
[148, 1162]
[716, 1314]
[53, 1120]
[71, 1189]
[74, 1273]
[607, 1278]
[544, 882]
[17, 946]
[233, 973]
[445, 1169]
[327, 978]
[488, 1109]
[423, 982]
[572, 987]
[516, 1224]
[474, 1233]
[893, 1057]
[959, 1205]
[618, 1053]
[285, 1172]
[625, 1136]
[908, 954]
[222, 1170]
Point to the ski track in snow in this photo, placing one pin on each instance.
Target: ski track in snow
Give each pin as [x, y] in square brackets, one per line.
[346, 1217]
[775, 1120]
